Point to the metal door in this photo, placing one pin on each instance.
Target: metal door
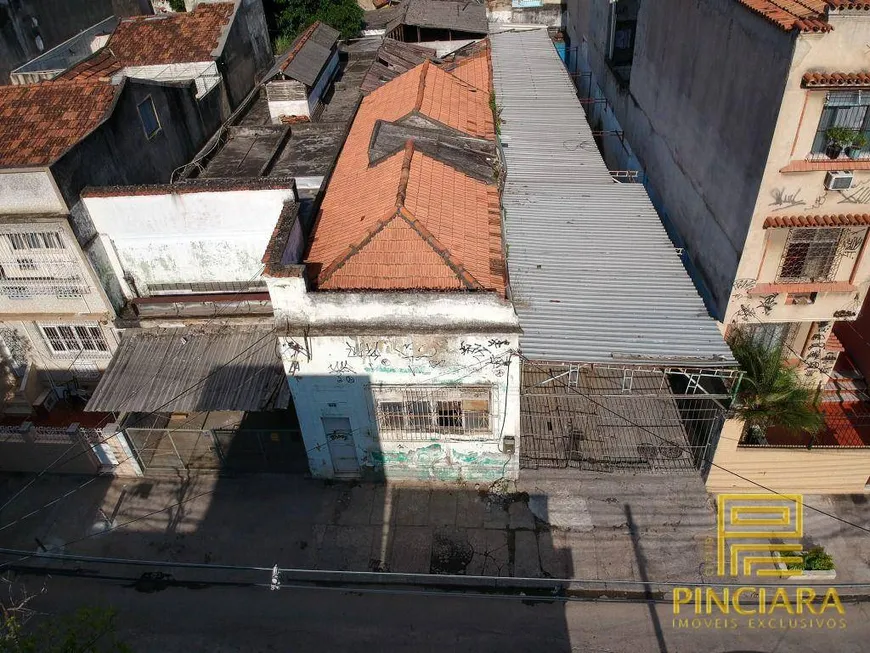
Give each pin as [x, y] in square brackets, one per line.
[342, 448]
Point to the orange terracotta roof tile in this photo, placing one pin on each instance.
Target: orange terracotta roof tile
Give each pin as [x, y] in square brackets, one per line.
[830, 220]
[40, 122]
[836, 80]
[409, 221]
[802, 15]
[474, 69]
[184, 37]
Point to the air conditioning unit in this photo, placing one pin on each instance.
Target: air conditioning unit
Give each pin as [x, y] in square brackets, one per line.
[839, 180]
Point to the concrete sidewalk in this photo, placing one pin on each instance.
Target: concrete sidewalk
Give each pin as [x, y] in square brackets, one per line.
[550, 525]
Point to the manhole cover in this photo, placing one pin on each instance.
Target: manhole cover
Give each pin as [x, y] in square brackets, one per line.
[671, 452]
[647, 451]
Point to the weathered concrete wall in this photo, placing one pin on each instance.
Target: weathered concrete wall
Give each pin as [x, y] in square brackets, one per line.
[784, 193]
[247, 52]
[549, 14]
[30, 191]
[189, 237]
[402, 312]
[120, 153]
[34, 449]
[701, 136]
[340, 376]
[799, 470]
[55, 22]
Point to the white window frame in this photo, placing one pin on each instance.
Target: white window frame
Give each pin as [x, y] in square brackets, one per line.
[72, 340]
[149, 102]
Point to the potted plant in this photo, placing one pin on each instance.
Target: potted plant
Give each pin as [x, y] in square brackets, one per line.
[859, 142]
[815, 564]
[771, 393]
[838, 138]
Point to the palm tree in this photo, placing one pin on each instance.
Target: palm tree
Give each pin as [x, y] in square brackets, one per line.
[771, 392]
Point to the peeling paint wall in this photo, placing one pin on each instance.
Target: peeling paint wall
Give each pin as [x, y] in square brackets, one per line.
[189, 237]
[338, 377]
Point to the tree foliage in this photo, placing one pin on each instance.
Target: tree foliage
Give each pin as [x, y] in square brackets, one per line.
[88, 630]
[771, 392]
[291, 17]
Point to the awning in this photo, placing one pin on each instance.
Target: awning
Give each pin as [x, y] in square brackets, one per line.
[194, 369]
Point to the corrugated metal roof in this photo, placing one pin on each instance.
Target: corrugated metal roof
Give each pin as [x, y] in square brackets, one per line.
[233, 368]
[594, 276]
[308, 55]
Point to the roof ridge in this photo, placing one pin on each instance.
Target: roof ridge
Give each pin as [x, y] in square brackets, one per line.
[429, 238]
[405, 174]
[421, 88]
[297, 46]
[352, 250]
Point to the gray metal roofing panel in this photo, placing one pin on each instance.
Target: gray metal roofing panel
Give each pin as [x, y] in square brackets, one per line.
[594, 276]
[466, 16]
[305, 65]
[193, 369]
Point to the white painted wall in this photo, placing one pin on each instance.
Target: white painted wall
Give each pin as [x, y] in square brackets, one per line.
[191, 236]
[468, 311]
[336, 376]
[29, 191]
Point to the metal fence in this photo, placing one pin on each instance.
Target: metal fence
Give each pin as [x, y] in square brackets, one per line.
[245, 450]
[605, 421]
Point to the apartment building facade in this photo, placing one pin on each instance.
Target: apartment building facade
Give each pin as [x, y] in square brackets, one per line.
[736, 156]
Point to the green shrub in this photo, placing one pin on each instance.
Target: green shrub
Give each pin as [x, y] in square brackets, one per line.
[177, 5]
[816, 559]
[840, 136]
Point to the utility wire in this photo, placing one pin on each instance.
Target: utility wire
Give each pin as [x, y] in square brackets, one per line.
[104, 421]
[106, 439]
[477, 366]
[655, 435]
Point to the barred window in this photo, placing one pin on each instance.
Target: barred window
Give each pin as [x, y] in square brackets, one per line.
[774, 335]
[810, 255]
[404, 411]
[42, 240]
[848, 109]
[65, 339]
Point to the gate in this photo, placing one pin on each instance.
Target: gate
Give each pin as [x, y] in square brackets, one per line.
[240, 450]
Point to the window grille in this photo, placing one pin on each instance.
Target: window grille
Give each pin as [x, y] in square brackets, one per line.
[405, 412]
[775, 335]
[39, 263]
[810, 255]
[68, 339]
[847, 109]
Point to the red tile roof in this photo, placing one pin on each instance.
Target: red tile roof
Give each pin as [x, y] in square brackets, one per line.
[836, 80]
[475, 68]
[40, 122]
[409, 221]
[184, 37]
[839, 220]
[803, 15]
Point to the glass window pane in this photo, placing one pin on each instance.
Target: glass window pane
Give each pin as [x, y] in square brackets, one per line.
[450, 415]
[149, 117]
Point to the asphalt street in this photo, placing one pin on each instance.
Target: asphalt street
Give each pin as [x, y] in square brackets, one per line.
[222, 619]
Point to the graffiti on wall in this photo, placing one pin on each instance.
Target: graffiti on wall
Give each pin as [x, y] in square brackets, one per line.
[783, 199]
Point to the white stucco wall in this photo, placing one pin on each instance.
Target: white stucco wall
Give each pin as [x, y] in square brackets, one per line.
[189, 237]
[340, 376]
[29, 191]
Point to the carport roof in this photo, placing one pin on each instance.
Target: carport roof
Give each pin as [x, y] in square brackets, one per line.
[194, 369]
